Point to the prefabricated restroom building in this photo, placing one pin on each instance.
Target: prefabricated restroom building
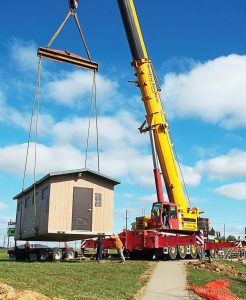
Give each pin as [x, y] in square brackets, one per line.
[68, 205]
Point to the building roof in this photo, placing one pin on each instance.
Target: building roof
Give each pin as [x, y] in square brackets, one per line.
[60, 173]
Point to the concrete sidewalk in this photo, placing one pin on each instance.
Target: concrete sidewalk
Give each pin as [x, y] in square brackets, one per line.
[168, 282]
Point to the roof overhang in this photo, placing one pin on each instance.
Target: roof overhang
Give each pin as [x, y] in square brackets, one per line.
[61, 173]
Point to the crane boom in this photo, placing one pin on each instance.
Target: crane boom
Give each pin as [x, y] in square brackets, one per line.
[155, 115]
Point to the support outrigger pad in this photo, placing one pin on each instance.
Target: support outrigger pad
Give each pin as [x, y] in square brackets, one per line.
[68, 57]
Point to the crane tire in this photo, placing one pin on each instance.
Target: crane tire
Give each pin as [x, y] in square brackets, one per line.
[42, 255]
[172, 252]
[193, 251]
[69, 254]
[57, 254]
[182, 251]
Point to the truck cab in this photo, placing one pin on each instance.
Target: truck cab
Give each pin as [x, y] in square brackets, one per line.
[164, 216]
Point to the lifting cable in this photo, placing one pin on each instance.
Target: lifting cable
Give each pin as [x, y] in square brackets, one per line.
[93, 90]
[69, 14]
[93, 97]
[181, 173]
[35, 111]
[177, 159]
[171, 145]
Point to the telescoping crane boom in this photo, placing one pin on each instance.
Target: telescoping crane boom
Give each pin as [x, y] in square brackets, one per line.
[157, 123]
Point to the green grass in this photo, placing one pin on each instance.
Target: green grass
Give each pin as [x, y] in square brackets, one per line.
[202, 277]
[79, 280]
[3, 254]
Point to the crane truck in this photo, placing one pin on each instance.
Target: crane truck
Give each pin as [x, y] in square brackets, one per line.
[173, 229]
[152, 233]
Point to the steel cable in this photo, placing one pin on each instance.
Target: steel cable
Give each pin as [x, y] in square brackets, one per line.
[93, 97]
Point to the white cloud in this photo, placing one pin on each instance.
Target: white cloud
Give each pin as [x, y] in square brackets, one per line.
[197, 200]
[214, 91]
[3, 206]
[191, 176]
[233, 191]
[116, 131]
[71, 87]
[130, 164]
[9, 115]
[12, 158]
[24, 54]
[127, 163]
[231, 165]
[205, 152]
[124, 153]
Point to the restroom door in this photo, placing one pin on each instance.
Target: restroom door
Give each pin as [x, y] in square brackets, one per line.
[82, 209]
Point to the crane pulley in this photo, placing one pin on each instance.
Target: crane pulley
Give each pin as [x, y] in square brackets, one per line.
[73, 4]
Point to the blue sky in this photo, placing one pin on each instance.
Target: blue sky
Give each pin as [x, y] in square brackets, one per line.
[198, 50]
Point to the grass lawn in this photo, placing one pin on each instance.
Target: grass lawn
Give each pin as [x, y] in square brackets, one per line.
[79, 280]
[201, 277]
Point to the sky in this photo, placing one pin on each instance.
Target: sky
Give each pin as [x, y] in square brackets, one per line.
[198, 49]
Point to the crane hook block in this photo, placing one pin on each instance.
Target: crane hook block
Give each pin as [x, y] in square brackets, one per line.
[73, 4]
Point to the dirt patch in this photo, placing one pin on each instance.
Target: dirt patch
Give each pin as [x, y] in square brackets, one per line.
[218, 267]
[9, 293]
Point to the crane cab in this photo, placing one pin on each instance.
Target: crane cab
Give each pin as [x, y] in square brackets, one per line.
[164, 216]
[167, 216]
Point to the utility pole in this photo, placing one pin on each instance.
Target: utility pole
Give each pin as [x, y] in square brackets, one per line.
[224, 233]
[127, 219]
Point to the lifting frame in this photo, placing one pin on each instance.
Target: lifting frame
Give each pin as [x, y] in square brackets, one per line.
[65, 56]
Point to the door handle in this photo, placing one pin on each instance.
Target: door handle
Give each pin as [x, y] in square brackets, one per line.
[89, 209]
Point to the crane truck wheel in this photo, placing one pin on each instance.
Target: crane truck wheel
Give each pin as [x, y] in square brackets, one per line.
[69, 254]
[193, 251]
[172, 252]
[42, 255]
[182, 251]
[57, 254]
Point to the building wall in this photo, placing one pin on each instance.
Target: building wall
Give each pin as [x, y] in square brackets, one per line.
[60, 210]
[25, 212]
[54, 211]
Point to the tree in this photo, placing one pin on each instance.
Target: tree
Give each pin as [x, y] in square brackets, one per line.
[231, 238]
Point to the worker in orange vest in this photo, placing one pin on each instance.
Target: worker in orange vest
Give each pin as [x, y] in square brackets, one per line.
[119, 246]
